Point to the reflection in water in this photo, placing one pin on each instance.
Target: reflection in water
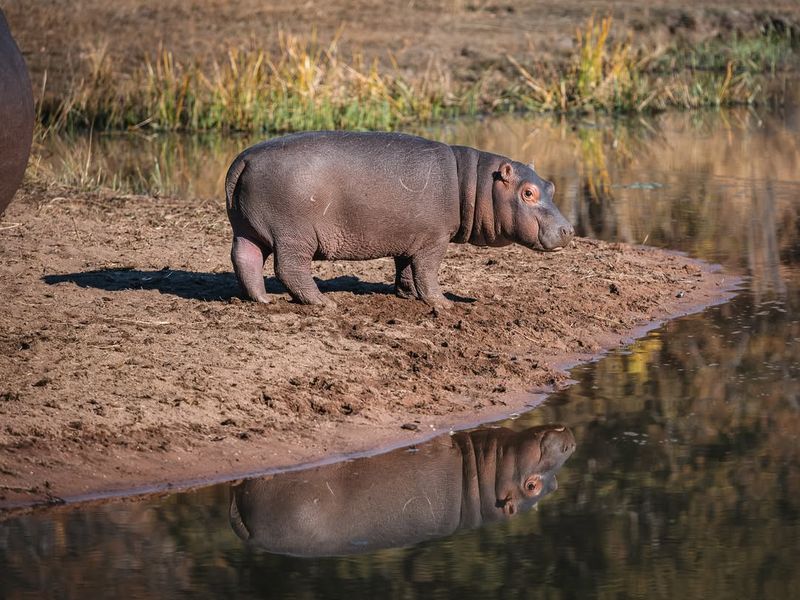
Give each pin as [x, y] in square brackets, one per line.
[686, 482]
[692, 460]
[402, 497]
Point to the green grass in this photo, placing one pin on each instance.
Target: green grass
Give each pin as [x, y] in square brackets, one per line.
[619, 78]
[768, 53]
[308, 86]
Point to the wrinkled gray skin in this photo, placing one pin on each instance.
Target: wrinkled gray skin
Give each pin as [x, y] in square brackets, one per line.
[16, 115]
[357, 196]
[403, 497]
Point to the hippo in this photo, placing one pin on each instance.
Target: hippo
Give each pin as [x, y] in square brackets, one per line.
[402, 497]
[16, 115]
[335, 195]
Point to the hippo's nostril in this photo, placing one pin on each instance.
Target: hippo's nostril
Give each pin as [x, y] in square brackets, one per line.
[567, 231]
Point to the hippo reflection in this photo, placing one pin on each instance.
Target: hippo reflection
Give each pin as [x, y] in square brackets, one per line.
[403, 497]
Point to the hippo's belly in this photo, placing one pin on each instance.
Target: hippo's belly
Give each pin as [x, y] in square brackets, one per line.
[396, 224]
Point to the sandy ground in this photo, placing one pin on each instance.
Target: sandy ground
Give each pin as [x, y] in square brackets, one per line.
[127, 359]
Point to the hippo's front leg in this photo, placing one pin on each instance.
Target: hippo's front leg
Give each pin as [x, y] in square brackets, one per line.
[425, 269]
[404, 278]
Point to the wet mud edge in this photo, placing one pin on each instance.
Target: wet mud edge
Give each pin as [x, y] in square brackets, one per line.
[129, 365]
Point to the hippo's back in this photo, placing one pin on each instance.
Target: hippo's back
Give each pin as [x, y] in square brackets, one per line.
[371, 149]
[16, 115]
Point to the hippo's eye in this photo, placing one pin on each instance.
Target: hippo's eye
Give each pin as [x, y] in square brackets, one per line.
[530, 194]
[533, 485]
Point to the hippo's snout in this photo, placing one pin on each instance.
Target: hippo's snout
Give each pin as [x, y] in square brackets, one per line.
[567, 232]
[557, 236]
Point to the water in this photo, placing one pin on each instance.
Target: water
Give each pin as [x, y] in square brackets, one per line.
[685, 481]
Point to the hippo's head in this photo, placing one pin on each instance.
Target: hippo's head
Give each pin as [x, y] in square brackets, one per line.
[524, 209]
[526, 471]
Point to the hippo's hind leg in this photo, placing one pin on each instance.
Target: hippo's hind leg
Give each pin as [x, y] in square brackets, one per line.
[404, 278]
[425, 268]
[248, 257]
[293, 268]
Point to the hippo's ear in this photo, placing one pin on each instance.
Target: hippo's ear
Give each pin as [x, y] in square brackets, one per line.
[504, 173]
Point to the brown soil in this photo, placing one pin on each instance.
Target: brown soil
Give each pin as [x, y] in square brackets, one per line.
[128, 360]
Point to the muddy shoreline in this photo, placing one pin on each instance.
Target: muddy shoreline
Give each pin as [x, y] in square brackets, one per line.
[129, 362]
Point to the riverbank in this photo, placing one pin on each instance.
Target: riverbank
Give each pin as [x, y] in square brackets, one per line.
[129, 361]
[268, 67]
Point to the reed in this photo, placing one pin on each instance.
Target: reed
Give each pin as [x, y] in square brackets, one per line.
[305, 87]
[311, 86]
[771, 52]
[619, 78]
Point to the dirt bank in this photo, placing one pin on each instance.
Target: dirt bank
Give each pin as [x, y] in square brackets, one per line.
[459, 39]
[127, 359]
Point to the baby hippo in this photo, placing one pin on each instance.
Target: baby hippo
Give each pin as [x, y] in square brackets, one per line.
[357, 196]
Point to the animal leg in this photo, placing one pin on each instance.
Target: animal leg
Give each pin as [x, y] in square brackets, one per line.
[425, 268]
[248, 259]
[293, 268]
[404, 278]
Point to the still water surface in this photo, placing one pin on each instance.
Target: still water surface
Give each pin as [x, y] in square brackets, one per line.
[685, 476]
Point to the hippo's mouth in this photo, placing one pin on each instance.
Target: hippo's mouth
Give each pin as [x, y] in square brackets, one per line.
[558, 247]
[538, 246]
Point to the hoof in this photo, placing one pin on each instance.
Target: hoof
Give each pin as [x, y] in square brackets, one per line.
[322, 303]
[440, 304]
[405, 294]
[245, 297]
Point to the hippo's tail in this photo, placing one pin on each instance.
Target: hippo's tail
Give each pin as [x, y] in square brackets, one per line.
[232, 181]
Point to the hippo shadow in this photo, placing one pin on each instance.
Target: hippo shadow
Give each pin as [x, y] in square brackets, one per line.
[207, 286]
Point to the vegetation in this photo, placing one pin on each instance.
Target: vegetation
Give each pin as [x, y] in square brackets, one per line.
[308, 86]
[619, 78]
